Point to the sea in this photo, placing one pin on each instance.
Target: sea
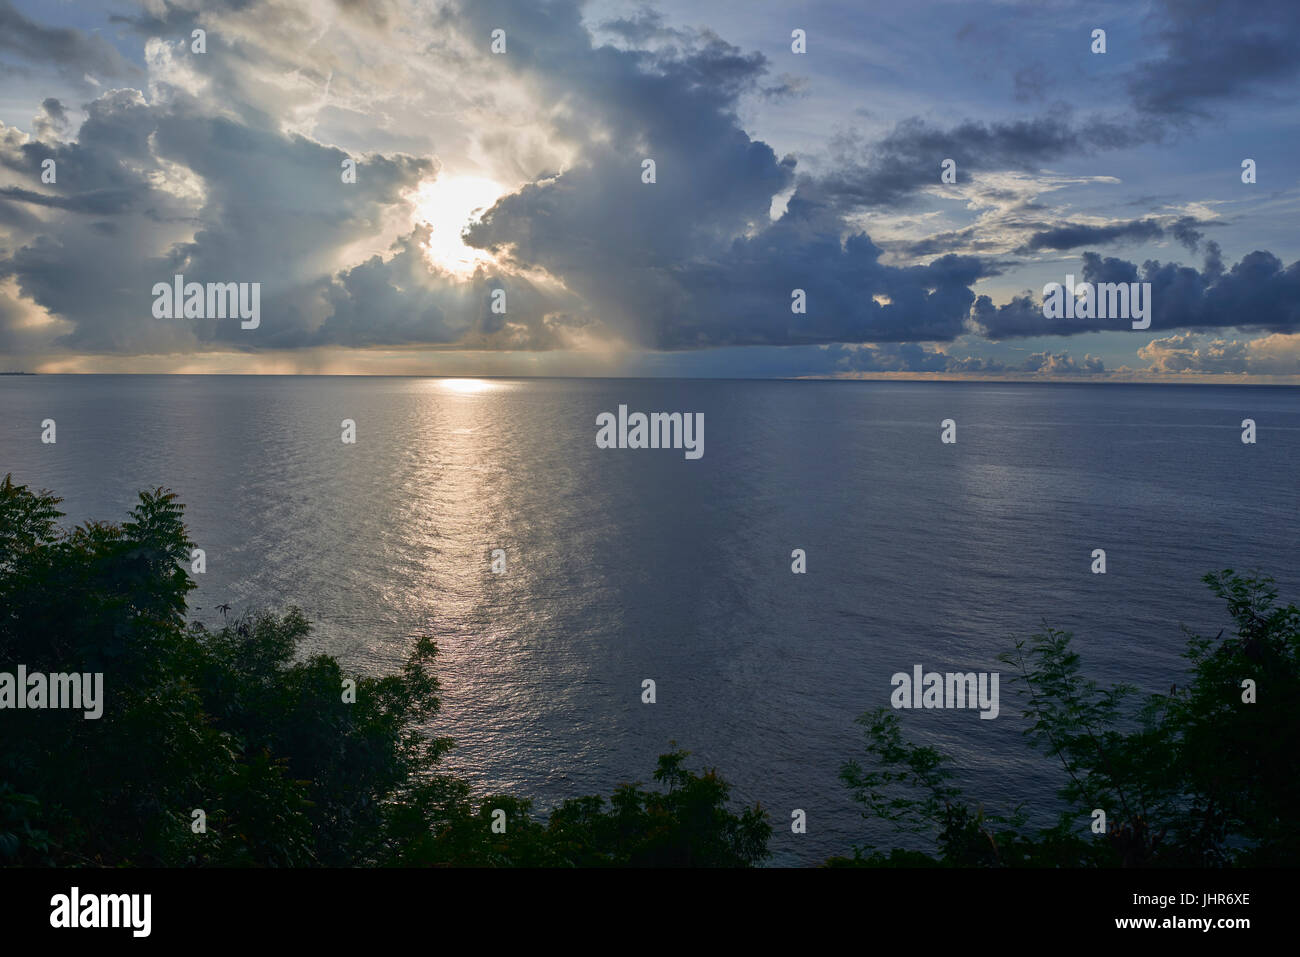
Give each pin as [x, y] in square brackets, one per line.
[624, 565]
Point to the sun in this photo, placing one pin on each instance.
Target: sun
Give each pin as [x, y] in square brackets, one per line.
[448, 206]
[465, 386]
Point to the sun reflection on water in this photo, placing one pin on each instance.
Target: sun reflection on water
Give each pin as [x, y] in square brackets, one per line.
[466, 386]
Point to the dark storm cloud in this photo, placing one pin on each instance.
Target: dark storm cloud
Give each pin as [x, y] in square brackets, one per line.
[649, 259]
[694, 260]
[1022, 316]
[743, 296]
[1074, 235]
[1215, 52]
[1258, 293]
[643, 259]
[890, 172]
[1184, 230]
[908, 159]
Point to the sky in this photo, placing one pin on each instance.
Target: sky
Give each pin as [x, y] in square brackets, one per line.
[500, 221]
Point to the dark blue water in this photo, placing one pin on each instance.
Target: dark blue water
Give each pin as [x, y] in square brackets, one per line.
[631, 564]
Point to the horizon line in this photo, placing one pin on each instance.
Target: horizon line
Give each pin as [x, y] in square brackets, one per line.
[1204, 379]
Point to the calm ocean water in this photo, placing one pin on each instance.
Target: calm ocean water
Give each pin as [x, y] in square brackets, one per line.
[633, 564]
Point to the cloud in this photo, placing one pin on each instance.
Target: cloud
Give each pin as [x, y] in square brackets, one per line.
[1184, 230]
[693, 260]
[907, 160]
[1196, 353]
[1074, 235]
[52, 122]
[1215, 53]
[70, 52]
[225, 167]
[178, 190]
[788, 86]
[913, 357]
[643, 28]
[100, 202]
[1031, 83]
[1258, 292]
[1062, 363]
[396, 301]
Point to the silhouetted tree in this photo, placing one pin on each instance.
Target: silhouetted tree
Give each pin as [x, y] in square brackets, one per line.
[238, 724]
[1196, 777]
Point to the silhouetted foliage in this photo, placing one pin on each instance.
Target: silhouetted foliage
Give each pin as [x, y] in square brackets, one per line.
[1197, 777]
[237, 723]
